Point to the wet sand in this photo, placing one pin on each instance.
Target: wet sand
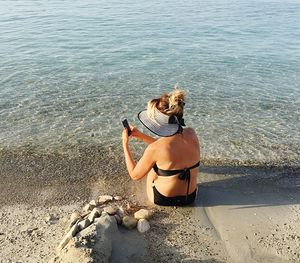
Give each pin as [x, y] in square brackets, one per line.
[240, 215]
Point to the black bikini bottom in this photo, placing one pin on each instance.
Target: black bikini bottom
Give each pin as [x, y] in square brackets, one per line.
[181, 200]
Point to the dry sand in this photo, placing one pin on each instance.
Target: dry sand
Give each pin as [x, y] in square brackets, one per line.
[240, 215]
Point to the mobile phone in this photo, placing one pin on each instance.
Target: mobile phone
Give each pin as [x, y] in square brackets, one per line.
[126, 125]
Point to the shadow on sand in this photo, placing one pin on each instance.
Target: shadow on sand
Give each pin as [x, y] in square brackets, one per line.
[248, 186]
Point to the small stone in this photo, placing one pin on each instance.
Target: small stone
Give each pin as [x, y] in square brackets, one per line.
[110, 210]
[93, 204]
[129, 222]
[85, 214]
[86, 208]
[96, 212]
[49, 218]
[73, 231]
[30, 230]
[104, 199]
[90, 206]
[121, 211]
[143, 225]
[143, 214]
[118, 219]
[75, 216]
[83, 224]
[104, 214]
[118, 198]
[131, 208]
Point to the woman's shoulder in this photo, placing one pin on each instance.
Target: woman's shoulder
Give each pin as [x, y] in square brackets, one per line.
[189, 130]
[191, 134]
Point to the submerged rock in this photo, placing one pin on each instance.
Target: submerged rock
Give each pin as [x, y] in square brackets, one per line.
[129, 222]
[143, 225]
[143, 214]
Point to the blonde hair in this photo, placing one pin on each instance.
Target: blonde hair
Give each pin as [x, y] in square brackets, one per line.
[170, 104]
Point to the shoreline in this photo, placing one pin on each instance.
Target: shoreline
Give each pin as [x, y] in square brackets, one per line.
[252, 215]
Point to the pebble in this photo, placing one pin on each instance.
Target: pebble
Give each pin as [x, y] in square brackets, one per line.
[75, 216]
[121, 212]
[118, 198]
[49, 218]
[143, 214]
[111, 210]
[72, 232]
[143, 225]
[83, 224]
[87, 208]
[129, 222]
[104, 199]
[96, 212]
[30, 230]
[93, 204]
[118, 219]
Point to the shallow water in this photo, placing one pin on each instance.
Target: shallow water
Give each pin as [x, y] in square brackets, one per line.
[69, 70]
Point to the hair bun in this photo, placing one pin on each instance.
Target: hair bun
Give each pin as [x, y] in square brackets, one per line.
[176, 98]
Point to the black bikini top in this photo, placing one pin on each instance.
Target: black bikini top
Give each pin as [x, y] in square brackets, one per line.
[184, 174]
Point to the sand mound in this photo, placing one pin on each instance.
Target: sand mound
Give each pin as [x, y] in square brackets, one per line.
[102, 242]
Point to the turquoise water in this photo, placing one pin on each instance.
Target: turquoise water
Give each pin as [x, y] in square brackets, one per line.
[70, 69]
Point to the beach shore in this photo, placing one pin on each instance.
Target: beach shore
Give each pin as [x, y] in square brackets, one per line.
[240, 215]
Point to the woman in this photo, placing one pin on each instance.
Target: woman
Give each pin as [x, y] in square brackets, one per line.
[170, 162]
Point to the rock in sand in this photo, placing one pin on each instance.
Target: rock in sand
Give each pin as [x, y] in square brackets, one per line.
[83, 224]
[143, 214]
[118, 219]
[118, 198]
[104, 199]
[111, 210]
[143, 225]
[93, 204]
[96, 212]
[129, 222]
[72, 232]
[75, 216]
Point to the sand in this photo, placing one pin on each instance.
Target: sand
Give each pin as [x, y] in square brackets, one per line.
[240, 215]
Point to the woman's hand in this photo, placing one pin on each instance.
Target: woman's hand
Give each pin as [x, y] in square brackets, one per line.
[135, 132]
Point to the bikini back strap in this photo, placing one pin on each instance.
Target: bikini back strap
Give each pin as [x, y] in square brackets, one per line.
[182, 172]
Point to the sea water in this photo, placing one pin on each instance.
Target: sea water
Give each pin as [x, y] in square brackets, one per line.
[70, 69]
